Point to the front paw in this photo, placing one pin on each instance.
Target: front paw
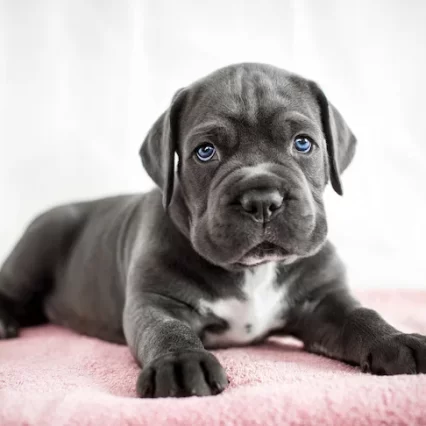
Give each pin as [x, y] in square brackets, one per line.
[190, 373]
[397, 354]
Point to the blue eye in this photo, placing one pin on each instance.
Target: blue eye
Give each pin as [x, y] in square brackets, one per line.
[205, 152]
[302, 144]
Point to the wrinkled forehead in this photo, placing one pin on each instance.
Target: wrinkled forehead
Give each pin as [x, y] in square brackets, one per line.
[249, 97]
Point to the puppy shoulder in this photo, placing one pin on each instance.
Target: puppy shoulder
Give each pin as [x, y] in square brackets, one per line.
[317, 274]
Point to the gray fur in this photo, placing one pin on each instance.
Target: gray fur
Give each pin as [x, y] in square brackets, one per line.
[133, 269]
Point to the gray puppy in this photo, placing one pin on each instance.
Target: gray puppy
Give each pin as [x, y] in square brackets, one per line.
[229, 249]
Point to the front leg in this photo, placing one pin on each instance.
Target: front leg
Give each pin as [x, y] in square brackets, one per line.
[174, 360]
[331, 322]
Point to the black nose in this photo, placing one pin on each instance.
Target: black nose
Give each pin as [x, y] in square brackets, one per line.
[261, 204]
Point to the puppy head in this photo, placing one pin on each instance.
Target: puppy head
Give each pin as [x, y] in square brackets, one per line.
[256, 147]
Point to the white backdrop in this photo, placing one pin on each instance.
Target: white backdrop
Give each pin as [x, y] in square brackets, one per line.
[81, 82]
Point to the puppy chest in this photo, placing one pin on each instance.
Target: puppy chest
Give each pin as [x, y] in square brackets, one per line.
[260, 309]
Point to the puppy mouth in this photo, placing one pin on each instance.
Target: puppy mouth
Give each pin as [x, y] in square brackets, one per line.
[267, 249]
[262, 253]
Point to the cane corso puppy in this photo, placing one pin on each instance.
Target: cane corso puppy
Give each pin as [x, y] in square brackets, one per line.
[230, 247]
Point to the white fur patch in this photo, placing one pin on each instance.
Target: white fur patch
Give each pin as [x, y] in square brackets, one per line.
[252, 318]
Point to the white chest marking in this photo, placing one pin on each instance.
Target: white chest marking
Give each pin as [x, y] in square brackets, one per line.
[251, 318]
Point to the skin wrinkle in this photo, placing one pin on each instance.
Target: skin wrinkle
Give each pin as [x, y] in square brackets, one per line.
[294, 120]
[216, 171]
[206, 132]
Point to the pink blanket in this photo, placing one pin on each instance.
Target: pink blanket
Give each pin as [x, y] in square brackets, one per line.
[51, 376]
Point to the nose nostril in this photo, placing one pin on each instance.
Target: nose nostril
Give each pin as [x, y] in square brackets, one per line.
[274, 203]
[248, 205]
[273, 207]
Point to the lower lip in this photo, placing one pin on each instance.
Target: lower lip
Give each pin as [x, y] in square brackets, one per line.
[261, 260]
[263, 253]
[266, 250]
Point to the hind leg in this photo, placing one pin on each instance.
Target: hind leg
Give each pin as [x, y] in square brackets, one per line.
[29, 270]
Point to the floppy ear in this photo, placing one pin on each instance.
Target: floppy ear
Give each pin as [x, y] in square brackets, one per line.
[158, 149]
[340, 140]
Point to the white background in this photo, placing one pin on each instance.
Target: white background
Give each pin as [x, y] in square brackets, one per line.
[82, 81]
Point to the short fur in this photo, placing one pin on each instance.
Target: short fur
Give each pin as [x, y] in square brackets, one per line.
[158, 271]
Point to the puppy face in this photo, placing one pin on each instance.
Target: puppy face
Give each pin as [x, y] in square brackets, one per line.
[253, 164]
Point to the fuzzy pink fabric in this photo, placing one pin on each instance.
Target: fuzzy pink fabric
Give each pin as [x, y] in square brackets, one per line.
[52, 376]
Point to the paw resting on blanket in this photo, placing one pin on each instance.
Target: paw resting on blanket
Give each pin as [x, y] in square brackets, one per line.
[397, 354]
[194, 373]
